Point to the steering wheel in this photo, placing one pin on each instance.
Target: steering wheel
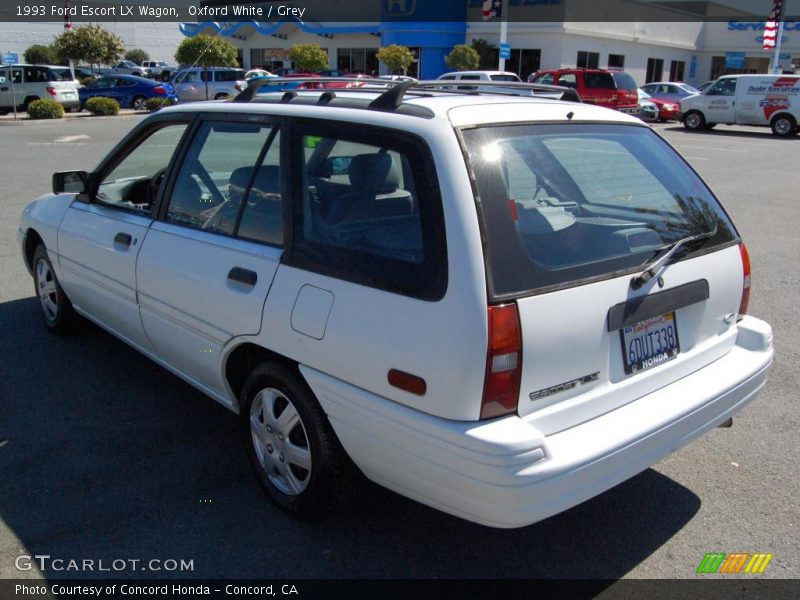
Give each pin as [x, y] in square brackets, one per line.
[154, 185]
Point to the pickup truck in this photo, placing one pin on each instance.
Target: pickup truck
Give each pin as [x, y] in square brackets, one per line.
[159, 69]
[125, 67]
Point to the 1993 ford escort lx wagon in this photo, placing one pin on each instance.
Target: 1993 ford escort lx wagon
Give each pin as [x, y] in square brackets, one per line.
[497, 305]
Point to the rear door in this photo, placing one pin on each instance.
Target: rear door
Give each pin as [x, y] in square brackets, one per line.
[207, 264]
[567, 232]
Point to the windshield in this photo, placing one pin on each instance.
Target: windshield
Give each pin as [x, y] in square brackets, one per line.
[562, 203]
[689, 88]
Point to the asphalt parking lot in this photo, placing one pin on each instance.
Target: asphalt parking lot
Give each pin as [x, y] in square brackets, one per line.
[105, 455]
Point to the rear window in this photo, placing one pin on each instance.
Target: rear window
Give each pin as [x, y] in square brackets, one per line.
[603, 81]
[229, 75]
[504, 78]
[624, 81]
[557, 211]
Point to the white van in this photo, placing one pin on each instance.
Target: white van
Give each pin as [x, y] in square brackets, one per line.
[32, 82]
[767, 100]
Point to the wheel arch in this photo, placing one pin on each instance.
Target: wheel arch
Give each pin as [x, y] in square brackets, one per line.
[32, 240]
[783, 113]
[242, 359]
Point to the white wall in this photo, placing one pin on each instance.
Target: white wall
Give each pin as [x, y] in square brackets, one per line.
[159, 40]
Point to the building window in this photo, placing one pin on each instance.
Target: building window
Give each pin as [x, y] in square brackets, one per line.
[616, 61]
[588, 60]
[655, 69]
[524, 61]
[270, 59]
[357, 60]
[676, 69]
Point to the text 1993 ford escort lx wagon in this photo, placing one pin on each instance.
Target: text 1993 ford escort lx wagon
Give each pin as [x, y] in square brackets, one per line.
[496, 305]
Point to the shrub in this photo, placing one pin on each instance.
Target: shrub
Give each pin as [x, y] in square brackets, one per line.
[309, 58]
[463, 58]
[153, 104]
[102, 107]
[397, 58]
[137, 55]
[45, 109]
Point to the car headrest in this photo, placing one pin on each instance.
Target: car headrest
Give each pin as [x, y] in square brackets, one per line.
[374, 173]
[267, 181]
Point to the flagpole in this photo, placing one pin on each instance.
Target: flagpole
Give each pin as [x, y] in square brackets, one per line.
[776, 59]
[503, 33]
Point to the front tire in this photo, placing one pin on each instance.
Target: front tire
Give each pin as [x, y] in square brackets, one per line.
[290, 443]
[694, 121]
[56, 309]
[784, 125]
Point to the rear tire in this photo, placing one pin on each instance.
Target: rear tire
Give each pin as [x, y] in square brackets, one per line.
[694, 121]
[27, 102]
[291, 445]
[784, 125]
[138, 103]
[222, 96]
[56, 309]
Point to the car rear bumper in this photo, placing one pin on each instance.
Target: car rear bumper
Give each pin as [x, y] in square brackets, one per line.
[506, 473]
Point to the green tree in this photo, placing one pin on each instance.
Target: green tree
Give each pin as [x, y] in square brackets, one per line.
[463, 58]
[207, 51]
[137, 55]
[487, 53]
[91, 44]
[41, 55]
[309, 58]
[397, 58]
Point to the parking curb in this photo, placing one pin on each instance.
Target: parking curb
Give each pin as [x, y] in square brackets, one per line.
[67, 116]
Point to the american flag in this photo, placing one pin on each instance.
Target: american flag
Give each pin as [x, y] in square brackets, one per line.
[771, 28]
[67, 19]
[492, 9]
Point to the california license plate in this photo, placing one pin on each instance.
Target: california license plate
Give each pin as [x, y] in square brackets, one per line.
[649, 343]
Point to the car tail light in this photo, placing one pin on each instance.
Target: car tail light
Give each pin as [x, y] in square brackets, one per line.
[159, 89]
[745, 281]
[51, 90]
[503, 362]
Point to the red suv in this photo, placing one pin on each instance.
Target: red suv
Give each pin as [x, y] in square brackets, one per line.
[595, 86]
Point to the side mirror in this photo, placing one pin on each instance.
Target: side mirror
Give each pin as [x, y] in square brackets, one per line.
[337, 165]
[70, 182]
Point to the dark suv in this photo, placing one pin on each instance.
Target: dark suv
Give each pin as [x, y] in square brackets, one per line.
[595, 86]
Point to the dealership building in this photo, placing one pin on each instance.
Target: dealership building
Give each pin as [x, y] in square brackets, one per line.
[682, 41]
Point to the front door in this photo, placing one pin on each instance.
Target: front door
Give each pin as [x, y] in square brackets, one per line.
[98, 241]
[721, 102]
[208, 262]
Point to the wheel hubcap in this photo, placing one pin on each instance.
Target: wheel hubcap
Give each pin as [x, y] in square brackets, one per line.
[693, 121]
[46, 289]
[280, 441]
[782, 126]
[138, 104]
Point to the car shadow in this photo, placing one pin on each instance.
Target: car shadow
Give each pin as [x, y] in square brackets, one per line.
[107, 456]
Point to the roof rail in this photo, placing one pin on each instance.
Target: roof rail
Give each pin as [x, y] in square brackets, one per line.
[393, 97]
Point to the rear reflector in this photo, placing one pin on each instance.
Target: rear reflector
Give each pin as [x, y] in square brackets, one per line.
[745, 281]
[503, 362]
[408, 382]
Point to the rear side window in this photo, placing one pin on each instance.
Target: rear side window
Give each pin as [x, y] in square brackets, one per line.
[228, 75]
[562, 204]
[504, 78]
[624, 81]
[603, 81]
[369, 208]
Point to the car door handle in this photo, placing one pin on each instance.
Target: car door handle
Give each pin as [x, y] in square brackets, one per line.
[123, 239]
[244, 276]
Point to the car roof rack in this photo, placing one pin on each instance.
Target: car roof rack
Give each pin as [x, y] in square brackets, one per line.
[392, 98]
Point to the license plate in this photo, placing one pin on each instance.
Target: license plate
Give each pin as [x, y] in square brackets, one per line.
[68, 94]
[649, 343]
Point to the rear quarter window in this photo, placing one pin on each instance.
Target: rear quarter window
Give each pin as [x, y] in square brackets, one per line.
[603, 81]
[562, 204]
[624, 81]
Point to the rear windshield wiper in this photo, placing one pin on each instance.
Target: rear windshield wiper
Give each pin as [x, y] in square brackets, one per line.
[654, 267]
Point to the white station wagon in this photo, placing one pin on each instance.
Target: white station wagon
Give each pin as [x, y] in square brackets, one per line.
[499, 306]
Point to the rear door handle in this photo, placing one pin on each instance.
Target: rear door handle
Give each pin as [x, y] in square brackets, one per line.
[123, 239]
[243, 276]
